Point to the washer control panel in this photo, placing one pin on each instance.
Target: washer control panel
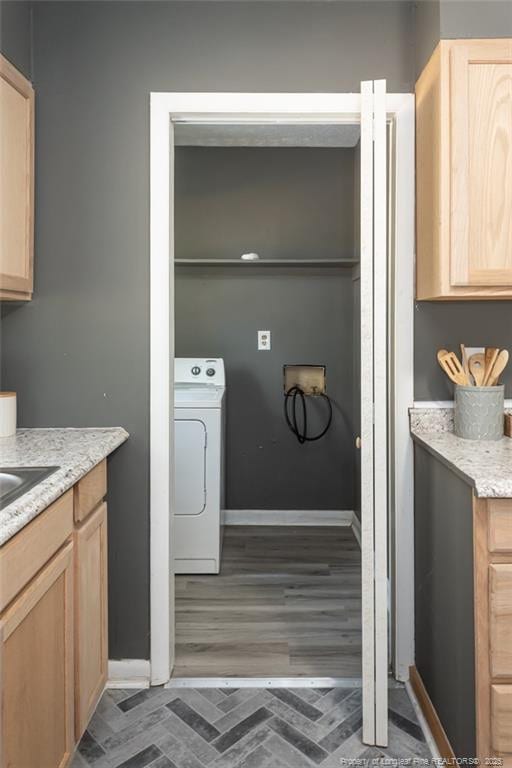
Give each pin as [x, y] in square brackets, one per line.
[190, 370]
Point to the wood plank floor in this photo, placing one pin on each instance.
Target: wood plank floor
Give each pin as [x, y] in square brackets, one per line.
[287, 603]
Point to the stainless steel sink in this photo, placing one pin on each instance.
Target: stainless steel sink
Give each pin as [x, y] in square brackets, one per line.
[15, 481]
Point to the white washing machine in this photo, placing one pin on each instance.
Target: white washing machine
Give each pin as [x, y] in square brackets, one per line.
[199, 394]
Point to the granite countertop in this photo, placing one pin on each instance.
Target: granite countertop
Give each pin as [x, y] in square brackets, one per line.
[484, 464]
[74, 451]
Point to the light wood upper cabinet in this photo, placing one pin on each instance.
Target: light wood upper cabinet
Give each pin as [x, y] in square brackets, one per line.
[36, 655]
[464, 171]
[16, 183]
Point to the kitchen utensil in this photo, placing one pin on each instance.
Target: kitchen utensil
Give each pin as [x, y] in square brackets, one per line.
[465, 365]
[477, 367]
[491, 353]
[450, 364]
[508, 424]
[498, 367]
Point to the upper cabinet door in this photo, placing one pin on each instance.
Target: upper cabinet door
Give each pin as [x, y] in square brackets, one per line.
[16, 183]
[481, 140]
[464, 172]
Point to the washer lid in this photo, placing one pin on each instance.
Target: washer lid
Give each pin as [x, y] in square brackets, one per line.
[198, 397]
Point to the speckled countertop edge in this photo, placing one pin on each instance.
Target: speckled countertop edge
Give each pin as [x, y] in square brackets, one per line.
[75, 451]
[486, 465]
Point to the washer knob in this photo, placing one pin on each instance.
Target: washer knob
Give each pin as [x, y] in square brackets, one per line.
[196, 370]
[210, 372]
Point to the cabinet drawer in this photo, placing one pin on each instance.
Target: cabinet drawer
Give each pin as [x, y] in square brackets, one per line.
[501, 718]
[90, 490]
[25, 554]
[500, 619]
[500, 525]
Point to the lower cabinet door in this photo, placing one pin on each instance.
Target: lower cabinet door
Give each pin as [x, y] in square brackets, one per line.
[500, 620]
[36, 663]
[501, 720]
[91, 639]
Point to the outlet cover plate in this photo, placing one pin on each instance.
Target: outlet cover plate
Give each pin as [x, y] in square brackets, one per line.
[264, 340]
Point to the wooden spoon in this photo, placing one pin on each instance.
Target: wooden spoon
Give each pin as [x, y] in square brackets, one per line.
[491, 353]
[477, 368]
[498, 367]
[450, 364]
[465, 365]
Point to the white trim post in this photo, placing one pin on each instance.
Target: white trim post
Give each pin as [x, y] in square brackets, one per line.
[161, 352]
[403, 614]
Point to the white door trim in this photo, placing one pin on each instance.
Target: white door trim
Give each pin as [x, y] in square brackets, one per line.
[380, 375]
[165, 109]
[402, 540]
[367, 416]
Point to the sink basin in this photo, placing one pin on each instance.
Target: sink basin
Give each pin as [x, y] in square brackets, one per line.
[15, 481]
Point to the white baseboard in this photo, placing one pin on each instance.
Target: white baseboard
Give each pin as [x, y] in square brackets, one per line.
[128, 673]
[288, 516]
[356, 527]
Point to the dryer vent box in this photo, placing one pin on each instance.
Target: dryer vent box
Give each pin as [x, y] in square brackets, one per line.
[309, 378]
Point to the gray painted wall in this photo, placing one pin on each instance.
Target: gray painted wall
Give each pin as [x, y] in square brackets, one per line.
[444, 634]
[475, 18]
[218, 314]
[427, 30]
[16, 34]
[281, 203]
[78, 354]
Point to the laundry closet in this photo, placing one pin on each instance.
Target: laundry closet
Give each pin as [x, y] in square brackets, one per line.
[266, 222]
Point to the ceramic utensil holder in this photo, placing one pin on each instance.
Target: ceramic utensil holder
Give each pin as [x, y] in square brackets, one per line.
[479, 412]
[7, 414]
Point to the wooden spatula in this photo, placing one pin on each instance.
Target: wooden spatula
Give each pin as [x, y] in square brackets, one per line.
[491, 353]
[450, 364]
[477, 368]
[498, 367]
[464, 358]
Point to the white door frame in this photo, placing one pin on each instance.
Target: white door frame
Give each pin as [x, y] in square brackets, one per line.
[166, 109]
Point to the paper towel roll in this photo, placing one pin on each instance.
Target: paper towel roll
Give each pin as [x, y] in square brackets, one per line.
[7, 414]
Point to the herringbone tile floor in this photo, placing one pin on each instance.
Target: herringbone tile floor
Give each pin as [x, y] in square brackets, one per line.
[241, 728]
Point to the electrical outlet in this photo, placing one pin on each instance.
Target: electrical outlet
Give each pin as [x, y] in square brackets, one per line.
[264, 340]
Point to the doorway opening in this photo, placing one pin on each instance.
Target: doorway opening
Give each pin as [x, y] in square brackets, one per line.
[168, 112]
[266, 232]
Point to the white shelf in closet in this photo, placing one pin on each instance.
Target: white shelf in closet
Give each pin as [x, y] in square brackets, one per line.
[345, 263]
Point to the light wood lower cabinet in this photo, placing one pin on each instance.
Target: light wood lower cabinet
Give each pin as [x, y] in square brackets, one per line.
[501, 709]
[493, 628]
[91, 641]
[53, 628]
[500, 620]
[37, 670]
